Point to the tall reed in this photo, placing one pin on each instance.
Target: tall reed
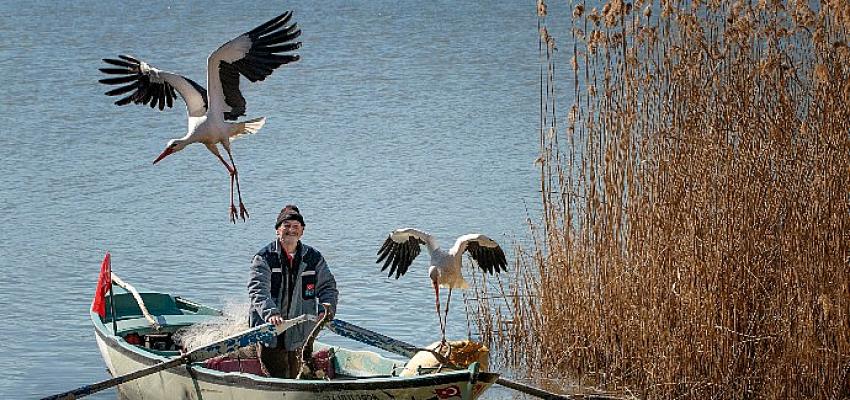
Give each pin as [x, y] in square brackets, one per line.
[695, 188]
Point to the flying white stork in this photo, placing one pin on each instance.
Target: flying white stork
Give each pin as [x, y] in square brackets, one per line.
[254, 55]
[402, 246]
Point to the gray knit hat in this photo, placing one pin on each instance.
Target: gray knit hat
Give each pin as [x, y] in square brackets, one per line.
[289, 213]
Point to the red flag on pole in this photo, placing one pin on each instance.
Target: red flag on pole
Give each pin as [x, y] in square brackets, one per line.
[104, 282]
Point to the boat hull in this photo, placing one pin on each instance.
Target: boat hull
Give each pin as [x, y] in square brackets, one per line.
[196, 382]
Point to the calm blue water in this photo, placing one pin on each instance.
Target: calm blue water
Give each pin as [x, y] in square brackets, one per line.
[400, 113]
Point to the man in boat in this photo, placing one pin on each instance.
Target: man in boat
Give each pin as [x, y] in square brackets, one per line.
[288, 278]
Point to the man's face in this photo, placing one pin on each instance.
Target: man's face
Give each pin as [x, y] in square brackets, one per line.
[289, 232]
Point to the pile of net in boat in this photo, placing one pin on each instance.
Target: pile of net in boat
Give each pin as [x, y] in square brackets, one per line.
[234, 320]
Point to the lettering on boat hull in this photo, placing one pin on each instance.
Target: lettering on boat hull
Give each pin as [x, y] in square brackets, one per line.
[370, 396]
[358, 396]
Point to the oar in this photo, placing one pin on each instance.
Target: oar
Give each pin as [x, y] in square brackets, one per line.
[262, 333]
[375, 339]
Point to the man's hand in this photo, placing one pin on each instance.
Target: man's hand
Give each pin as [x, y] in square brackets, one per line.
[276, 319]
[326, 308]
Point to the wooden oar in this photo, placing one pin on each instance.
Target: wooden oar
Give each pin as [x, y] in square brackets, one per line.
[375, 339]
[262, 333]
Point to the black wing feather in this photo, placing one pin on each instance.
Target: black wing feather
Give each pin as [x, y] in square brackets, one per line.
[146, 92]
[413, 250]
[391, 259]
[271, 24]
[115, 71]
[502, 262]
[122, 89]
[129, 58]
[118, 80]
[169, 98]
[398, 256]
[163, 91]
[384, 250]
[405, 259]
[126, 100]
[280, 49]
[390, 254]
[278, 37]
[268, 42]
[489, 259]
[229, 75]
[119, 63]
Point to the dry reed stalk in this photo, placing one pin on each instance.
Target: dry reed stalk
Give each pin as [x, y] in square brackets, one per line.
[695, 236]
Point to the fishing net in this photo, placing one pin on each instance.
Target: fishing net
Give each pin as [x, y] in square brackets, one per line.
[234, 320]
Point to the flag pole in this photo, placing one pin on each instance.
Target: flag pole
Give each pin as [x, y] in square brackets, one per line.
[112, 299]
[112, 310]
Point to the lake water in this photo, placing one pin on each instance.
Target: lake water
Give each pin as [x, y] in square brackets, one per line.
[400, 113]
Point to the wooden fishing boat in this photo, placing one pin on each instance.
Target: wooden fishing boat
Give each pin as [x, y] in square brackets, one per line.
[141, 337]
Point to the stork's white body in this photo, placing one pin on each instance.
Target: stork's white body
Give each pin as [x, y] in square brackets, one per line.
[447, 267]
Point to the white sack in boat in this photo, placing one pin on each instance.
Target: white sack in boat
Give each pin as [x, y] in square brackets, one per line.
[464, 353]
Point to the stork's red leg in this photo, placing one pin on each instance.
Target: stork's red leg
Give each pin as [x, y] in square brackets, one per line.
[232, 207]
[439, 315]
[231, 171]
[243, 212]
[446, 322]
[448, 300]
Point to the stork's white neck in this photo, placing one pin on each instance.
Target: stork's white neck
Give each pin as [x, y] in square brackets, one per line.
[433, 246]
[434, 274]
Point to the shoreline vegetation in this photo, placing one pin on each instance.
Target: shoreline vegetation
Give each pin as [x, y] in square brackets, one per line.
[695, 188]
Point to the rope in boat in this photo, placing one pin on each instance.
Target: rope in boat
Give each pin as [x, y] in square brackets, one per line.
[128, 287]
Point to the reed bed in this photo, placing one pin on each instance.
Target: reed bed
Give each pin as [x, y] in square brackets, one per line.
[695, 188]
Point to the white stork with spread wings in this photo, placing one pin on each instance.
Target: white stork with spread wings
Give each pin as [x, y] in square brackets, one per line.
[254, 55]
[402, 246]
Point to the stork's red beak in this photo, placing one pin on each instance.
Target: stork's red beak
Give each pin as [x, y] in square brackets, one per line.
[165, 153]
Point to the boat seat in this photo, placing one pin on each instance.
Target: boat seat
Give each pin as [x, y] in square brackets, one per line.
[126, 306]
[142, 324]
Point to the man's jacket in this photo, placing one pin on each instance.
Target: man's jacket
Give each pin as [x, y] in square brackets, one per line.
[312, 281]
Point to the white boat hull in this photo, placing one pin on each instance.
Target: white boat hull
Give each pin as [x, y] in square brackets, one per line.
[197, 382]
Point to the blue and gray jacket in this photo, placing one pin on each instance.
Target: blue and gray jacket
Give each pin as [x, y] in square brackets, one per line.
[313, 280]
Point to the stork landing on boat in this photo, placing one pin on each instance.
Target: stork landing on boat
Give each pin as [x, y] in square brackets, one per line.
[254, 55]
[402, 246]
